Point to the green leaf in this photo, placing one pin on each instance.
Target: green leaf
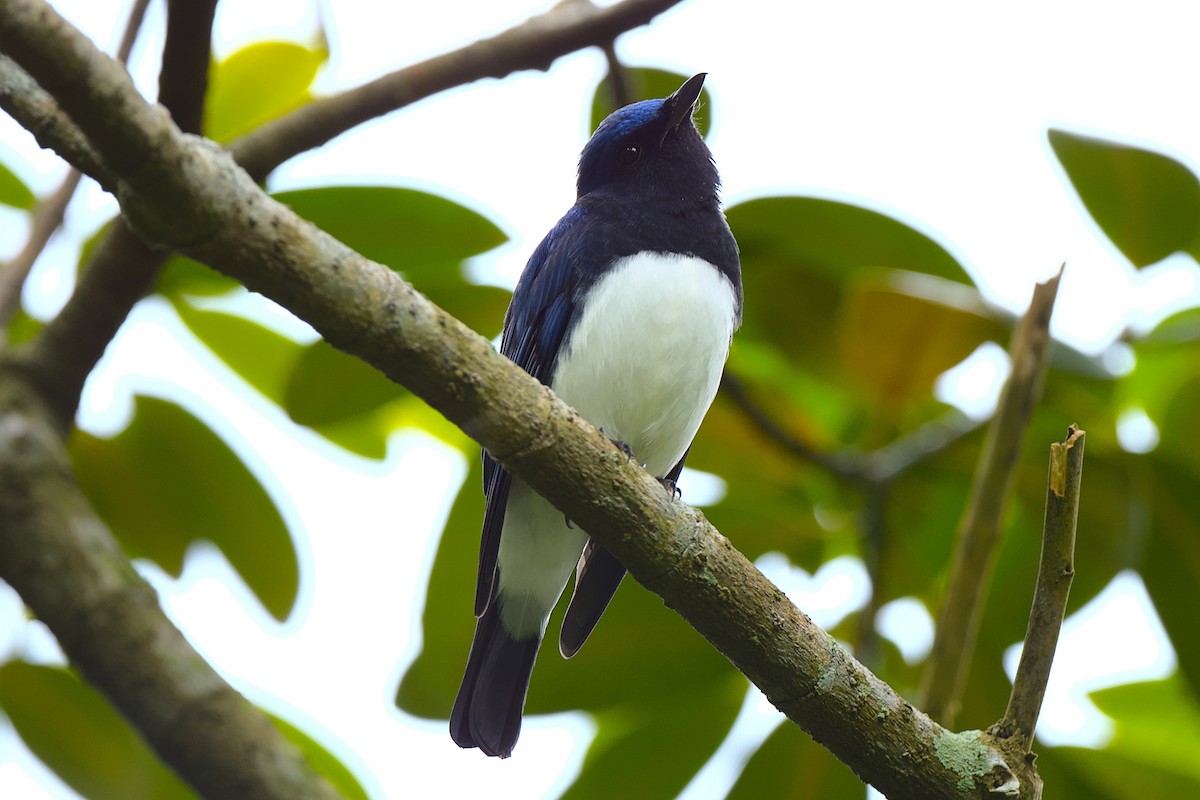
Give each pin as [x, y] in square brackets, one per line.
[659, 655]
[257, 84]
[1179, 328]
[766, 506]
[324, 762]
[800, 255]
[654, 748]
[80, 737]
[182, 277]
[1153, 751]
[645, 83]
[328, 386]
[900, 331]
[1158, 722]
[167, 480]
[14, 192]
[262, 357]
[423, 236]
[791, 766]
[1148, 204]
[1171, 561]
[22, 327]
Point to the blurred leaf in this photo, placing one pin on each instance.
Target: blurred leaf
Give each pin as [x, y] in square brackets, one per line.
[766, 506]
[1146, 203]
[653, 749]
[181, 277]
[427, 238]
[640, 651]
[324, 762]
[1158, 722]
[262, 357]
[328, 386]
[1153, 751]
[645, 83]
[22, 327]
[256, 84]
[1179, 328]
[167, 480]
[80, 737]
[178, 277]
[900, 331]
[423, 236]
[1065, 777]
[791, 766]
[14, 192]
[800, 256]
[1171, 560]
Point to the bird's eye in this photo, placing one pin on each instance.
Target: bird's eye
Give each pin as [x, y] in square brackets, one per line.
[629, 155]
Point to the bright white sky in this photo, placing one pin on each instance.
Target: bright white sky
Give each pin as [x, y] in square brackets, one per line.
[934, 112]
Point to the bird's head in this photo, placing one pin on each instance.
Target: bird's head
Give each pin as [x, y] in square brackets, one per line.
[651, 151]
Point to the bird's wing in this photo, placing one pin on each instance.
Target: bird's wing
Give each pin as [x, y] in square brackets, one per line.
[534, 327]
[596, 580]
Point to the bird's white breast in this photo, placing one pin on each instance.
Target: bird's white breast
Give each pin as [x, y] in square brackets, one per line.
[642, 362]
[644, 359]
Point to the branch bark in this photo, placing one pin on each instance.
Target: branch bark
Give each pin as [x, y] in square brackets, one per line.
[534, 44]
[50, 539]
[48, 216]
[979, 532]
[1056, 569]
[218, 214]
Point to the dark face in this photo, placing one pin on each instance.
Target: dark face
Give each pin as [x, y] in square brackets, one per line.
[650, 151]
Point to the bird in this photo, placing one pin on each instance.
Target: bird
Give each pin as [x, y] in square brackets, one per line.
[626, 310]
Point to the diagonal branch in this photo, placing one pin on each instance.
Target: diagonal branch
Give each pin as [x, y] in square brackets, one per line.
[122, 267]
[219, 215]
[50, 212]
[112, 628]
[979, 532]
[569, 26]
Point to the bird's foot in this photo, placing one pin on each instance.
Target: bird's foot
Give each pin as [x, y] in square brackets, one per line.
[622, 446]
[671, 488]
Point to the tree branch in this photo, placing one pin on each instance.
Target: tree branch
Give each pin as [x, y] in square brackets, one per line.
[219, 215]
[979, 532]
[50, 212]
[122, 267]
[38, 112]
[51, 539]
[46, 220]
[569, 26]
[1055, 572]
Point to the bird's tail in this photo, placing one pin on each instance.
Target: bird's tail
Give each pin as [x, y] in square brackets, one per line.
[487, 711]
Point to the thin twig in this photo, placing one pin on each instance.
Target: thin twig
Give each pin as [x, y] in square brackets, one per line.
[1055, 572]
[618, 77]
[849, 466]
[50, 212]
[534, 44]
[979, 531]
[46, 220]
[122, 267]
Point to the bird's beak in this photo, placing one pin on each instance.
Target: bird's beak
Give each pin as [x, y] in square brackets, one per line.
[683, 101]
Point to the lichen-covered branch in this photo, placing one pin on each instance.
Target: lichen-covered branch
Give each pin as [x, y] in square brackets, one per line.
[979, 532]
[219, 215]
